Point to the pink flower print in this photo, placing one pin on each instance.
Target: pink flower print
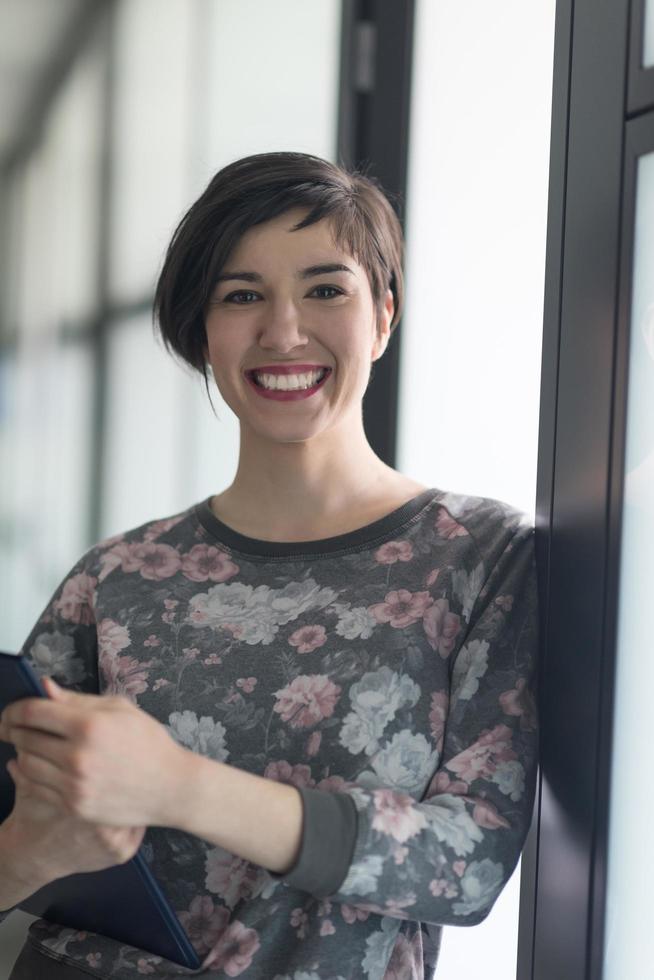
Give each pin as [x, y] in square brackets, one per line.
[213, 658]
[190, 654]
[440, 886]
[153, 561]
[313, 743]
[300, 918]
[284, 772]
[156, 561]
[162, 682]
[157, 528]
[439, 704]
[308, 638]
[94, 959]
[76, 603]
[334, 784]
[394, 907]
[234, 950]
[144, 964]
[399, 854]
[459, 867]
[152, 641]
[206, 562]
[480, 760]
[204, 922]
[246, 684]
[431, 578]
[110, 560]
[112, 638]
[324, 907]
[123, 675]
[401, 608]
[231, 877]
[307, 700]
[396, 815]
[354, 914]
[505, 601]
[198, 616]
[393, 551]
[519, 701]
[327, 928]
[125, 554]
[441, 627]
[171, 603]
[447, 527]
[441, 783]
[485, 815]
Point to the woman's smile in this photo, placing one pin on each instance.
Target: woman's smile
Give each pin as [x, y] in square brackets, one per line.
[287, 395]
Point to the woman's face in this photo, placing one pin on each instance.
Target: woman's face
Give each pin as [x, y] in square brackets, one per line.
[273, 306]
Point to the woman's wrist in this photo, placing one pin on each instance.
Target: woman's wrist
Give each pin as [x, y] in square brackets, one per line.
[16, 862]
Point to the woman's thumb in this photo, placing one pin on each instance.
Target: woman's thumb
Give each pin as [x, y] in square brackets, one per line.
[52, 688]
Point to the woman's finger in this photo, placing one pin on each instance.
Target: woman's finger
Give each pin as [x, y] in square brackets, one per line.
[36, 790]
[48, 747]
[41, 772]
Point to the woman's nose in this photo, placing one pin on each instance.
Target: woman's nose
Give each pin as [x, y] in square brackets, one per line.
[281, 325]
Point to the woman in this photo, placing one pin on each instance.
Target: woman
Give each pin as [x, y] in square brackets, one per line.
[326, 674]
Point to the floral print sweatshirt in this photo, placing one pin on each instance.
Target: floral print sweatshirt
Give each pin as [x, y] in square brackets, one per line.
[388, 673]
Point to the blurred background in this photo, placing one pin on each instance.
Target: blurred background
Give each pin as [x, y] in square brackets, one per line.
[114, 115]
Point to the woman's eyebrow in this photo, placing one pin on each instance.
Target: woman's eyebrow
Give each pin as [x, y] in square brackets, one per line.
[308, 273]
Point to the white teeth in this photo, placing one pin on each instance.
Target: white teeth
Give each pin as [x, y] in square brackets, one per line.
[289, 382]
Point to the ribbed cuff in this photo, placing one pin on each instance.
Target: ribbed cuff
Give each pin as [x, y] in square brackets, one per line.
[329, 832]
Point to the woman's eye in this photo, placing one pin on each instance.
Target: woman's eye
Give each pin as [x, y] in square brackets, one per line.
[240, 293]
[243, 297]
[332, 289]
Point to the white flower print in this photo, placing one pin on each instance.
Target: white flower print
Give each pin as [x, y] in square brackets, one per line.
[380, 945]
[471, 664]
[254, 615]
[480, 884]
[376, 698]
[206, 736]
[467, 587]
[355, 624]
[363, 875]
[54, 654]
[452, 824]
[510, 777]
[404, 764]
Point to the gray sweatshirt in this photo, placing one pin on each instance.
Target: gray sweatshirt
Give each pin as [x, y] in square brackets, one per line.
[389, 674]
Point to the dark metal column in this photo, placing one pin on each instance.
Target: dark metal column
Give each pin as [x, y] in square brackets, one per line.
[373, 136]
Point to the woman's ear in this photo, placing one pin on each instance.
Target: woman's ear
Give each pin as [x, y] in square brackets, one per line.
[383, 333]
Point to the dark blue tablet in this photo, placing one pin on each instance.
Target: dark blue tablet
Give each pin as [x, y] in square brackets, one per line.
[124, 902]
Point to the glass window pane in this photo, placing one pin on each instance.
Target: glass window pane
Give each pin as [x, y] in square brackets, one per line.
[273, 76]
[165, 450]
[629, 942]
[154, 110]
[648, 40]
[58, 225]
[74, 132]
[45, 439]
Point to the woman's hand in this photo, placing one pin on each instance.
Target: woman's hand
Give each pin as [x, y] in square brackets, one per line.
[45, 843]
[96, 757]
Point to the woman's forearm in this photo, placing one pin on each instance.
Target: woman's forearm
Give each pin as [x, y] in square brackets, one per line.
[253, 817]
[17, 882]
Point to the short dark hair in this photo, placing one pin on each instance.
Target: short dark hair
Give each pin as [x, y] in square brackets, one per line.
[255, 189]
